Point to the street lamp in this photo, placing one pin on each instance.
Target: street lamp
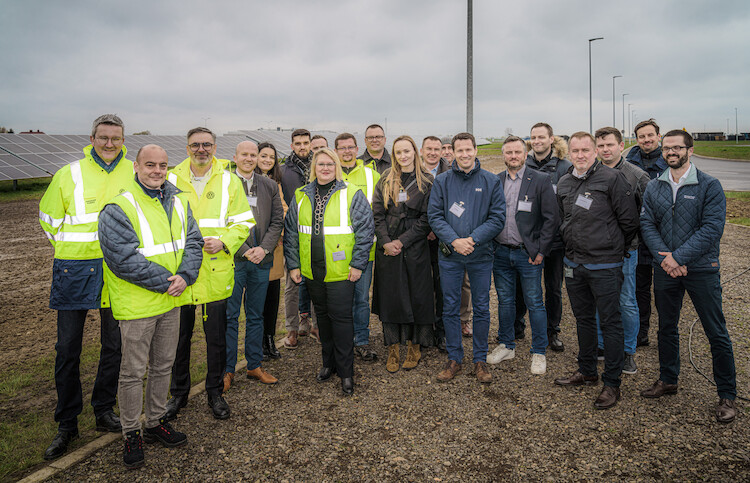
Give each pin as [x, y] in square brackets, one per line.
[736, 130]
[613, 99]
[205, 121]
[630, 121]
[591, 108]
[623, 112]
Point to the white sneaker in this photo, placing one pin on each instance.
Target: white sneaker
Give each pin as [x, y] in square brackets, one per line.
[501, 353]
[538, 364]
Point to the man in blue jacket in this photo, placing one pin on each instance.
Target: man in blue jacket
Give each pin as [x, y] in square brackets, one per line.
[682, 222]
[467, 210]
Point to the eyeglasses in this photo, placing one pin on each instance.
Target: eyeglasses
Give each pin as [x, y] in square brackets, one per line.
[676, 149]
[326, 165]
[374, 138]
[196, 146]
[105, 140]
[346, 148]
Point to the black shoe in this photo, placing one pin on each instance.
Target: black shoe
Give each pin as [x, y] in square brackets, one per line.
[441, 345]
[555, 343]
[629, 366]
[365, 353]
[165, 434]
[347, 386]
[519, 328]
[325, 373]
[266, 355]
[132, 453]
[599, 354]
[59, 444]
[108, 421]
[173, 407]
[642, 341]
[273, 352]
[219, 406]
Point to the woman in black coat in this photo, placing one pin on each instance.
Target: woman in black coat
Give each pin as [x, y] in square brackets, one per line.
[403, 294]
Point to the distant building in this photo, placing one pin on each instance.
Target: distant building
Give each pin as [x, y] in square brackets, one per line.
[708, 136]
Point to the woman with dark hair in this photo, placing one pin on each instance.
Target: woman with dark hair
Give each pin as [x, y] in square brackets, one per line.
[268, 166]
[402, 297]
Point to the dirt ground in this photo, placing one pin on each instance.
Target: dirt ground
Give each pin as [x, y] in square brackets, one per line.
[407, 426]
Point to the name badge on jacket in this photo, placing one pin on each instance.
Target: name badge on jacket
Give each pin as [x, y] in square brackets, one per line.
[338, 256]
[584, 202]
[253, 200]
[457, 209]
[401, 196]
[524, 205]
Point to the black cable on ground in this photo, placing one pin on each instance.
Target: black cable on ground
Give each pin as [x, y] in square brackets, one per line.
[690, 339]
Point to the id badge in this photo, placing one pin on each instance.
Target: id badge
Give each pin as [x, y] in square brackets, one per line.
[253, 200]
[339, 255]
[568, 271]
[401, 196]
[554, 188]
[524, 206]
[457, 209]
[584, 202]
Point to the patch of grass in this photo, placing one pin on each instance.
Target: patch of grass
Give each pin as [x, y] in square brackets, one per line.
[23, 440]
[28, 189]
[738, 194]
[723, 149]
[12, 382]
[739, 221]
[488, 149]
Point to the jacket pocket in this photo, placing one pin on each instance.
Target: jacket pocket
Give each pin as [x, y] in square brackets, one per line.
[76, 284]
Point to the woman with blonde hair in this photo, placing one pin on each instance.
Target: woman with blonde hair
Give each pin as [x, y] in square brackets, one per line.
[402, 294]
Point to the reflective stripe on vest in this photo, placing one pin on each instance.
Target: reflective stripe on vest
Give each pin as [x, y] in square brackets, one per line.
[368, 180]
[150, 248]
[81, 217]
[220, 222]
[343, 229]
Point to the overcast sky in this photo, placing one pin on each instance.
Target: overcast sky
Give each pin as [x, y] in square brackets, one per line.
[166, 66]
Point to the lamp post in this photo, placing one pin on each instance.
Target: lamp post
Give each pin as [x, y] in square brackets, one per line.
[591, 108]
[613, 99]
[630, 121]
[205, 121]
[736, 130]
[623, 112]
[469, 68]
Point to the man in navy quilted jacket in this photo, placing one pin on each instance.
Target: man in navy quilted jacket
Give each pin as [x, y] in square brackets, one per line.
[682, 221]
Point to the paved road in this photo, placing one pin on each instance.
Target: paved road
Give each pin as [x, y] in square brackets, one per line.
[734, 175]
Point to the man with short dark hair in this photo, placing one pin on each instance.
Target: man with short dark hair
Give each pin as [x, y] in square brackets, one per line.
[69, 215]
[376, 153]
[317, 143]
[599, 220]
[466, 211]
[646, 155]
[682, 222]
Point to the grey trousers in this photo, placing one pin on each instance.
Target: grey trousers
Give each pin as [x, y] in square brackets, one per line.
[152, 343]
[291, 305]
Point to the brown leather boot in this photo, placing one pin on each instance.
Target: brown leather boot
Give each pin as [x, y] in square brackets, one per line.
[228, 378]
[451, 370]
[261, 375]
[290, 341]
[482, 373]
[391, 365]
[413, 354]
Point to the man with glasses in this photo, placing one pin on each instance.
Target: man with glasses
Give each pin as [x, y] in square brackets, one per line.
[353, 171]
[224, 219]
[69, 215]
[376, 154]
[646, 155]
[682, 222]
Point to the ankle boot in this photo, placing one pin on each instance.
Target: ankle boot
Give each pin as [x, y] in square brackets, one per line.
[273, 352]
[266, 352]
[413, 354]
[392, 363]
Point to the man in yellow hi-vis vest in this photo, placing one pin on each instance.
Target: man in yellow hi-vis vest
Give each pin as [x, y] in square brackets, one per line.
[69, 215]
[224, 219]
[153, 251]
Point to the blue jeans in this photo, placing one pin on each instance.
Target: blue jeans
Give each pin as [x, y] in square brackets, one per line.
[704, 289]
[253, 280]
[451, 279]
[361, 308]
[631, 322]
[509, 263]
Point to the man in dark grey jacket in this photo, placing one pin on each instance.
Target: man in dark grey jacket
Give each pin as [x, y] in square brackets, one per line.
[137, 258]
[252, 263]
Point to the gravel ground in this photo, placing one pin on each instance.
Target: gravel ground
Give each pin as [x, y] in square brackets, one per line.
[408, 427]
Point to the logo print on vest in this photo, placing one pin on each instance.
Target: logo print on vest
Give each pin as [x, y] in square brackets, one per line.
[122, 190]
[210, 195]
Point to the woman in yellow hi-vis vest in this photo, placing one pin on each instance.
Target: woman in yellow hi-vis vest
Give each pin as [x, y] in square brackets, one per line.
[329, 230]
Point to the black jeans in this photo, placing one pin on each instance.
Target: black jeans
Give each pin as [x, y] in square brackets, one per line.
[333, 303]
[553, 276]
[271, 307]
[704, 289]
[67, 366]
[215, 329]
[437, 290]
[589, 291]
[643, 275]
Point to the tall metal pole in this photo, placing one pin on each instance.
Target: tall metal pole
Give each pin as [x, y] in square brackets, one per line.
[630, 121]
[591, 107]
[736, 130]
[623, 113]
[727, 129]
[469, 69]
[613, 99]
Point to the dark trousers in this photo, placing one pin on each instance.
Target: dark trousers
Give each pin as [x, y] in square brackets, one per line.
[271, 307]
[643, 275]
[553, 276]
[439, 329]
[589, 291]
[333, 303]
[215, 330]
[67, 366]
[704, 289]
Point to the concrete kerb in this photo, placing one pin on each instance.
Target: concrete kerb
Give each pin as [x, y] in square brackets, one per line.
[87, 450]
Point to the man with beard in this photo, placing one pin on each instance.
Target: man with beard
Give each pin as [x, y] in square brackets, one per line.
[682, 221]
[647, 156]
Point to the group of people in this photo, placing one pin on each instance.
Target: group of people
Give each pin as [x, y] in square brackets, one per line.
[146, 246]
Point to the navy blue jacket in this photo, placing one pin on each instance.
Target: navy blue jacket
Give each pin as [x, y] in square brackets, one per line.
[480, 193]
[652, 163]
[539, 226]
[691, 226]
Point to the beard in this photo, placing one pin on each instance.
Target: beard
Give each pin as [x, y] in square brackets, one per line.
[676, 163]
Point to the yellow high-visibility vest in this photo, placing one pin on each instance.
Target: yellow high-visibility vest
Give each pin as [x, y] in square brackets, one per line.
[364, 177]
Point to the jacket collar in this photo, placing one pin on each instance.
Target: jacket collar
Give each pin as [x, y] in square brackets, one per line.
[309, 188]
[89, 151]
[461, 172]
[692, 175]
[182, 170]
